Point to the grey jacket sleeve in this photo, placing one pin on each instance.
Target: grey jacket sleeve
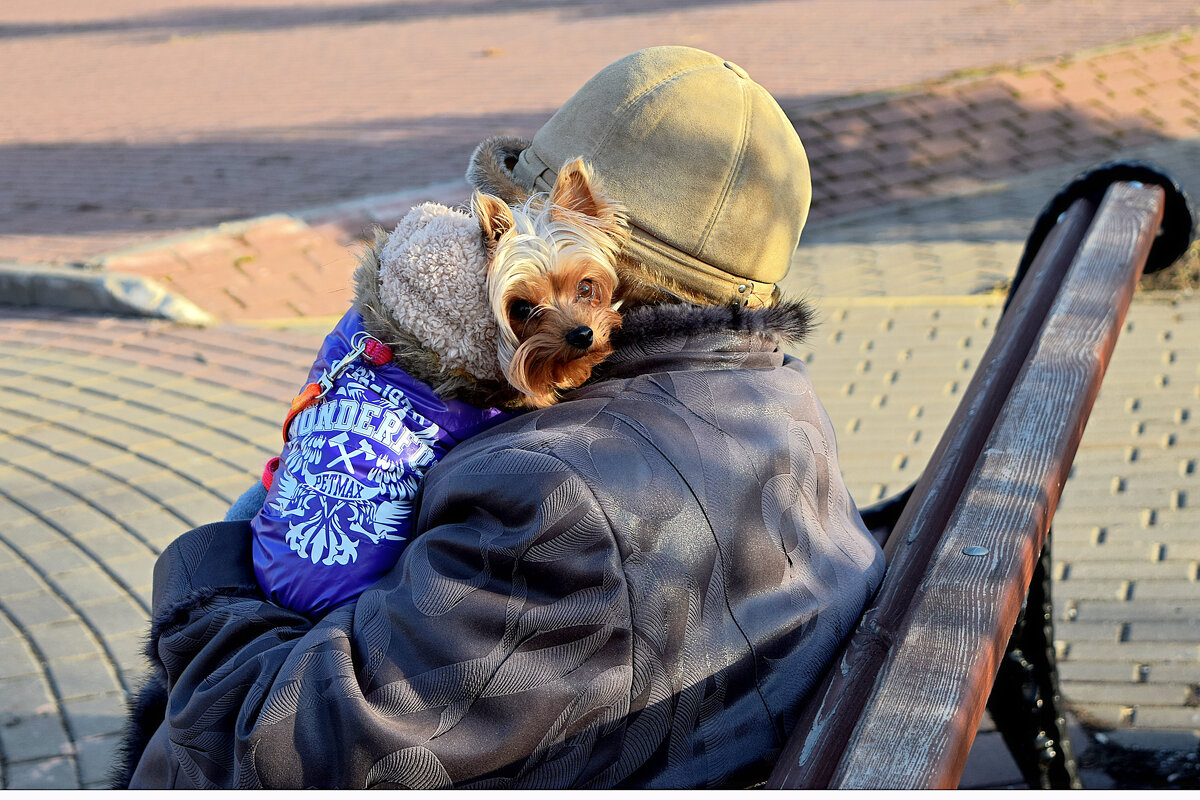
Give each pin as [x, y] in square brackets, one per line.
[494, 654]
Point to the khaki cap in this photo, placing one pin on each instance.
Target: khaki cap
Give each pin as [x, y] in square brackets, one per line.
[711, 171]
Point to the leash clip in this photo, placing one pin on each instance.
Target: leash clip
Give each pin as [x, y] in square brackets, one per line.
[358, 346]
[362, 343]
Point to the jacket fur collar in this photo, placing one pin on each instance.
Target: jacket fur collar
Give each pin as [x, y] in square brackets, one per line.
[787, 321]
[683, 336]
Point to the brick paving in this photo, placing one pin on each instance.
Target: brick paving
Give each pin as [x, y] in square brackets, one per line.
[118, 436]
[122, 433]
[867, 153]
[957, 134]
[295, 104]
[273, 268]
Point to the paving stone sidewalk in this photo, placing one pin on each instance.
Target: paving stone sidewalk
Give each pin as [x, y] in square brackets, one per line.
[133, 120]
[867, 153]
[120, 434]
[123, 433]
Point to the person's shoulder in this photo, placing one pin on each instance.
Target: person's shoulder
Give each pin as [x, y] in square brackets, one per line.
[541, 472]
[590, 442]
[558, 433]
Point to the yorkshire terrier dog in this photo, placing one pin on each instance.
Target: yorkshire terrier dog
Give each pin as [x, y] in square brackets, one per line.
[551, 283]
[510, 319]
[458, 321]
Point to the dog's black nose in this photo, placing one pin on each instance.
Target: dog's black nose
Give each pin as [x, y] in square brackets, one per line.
[580, 338]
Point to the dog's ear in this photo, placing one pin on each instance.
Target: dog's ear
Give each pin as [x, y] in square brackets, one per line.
[494, 215]
[578, 191]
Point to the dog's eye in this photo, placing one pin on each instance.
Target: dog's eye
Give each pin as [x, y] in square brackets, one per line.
[584, 290]
[520, 310]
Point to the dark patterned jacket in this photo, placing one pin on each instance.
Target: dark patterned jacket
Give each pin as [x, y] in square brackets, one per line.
[636, 587]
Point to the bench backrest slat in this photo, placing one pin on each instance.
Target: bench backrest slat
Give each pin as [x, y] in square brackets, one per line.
[901, 707]
[831, 721]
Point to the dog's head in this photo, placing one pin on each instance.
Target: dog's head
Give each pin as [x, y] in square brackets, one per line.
[551, 282]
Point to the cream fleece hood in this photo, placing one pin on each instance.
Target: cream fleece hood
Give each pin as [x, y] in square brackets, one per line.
[422, 289]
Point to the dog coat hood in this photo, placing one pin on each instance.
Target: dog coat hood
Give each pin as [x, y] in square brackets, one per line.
[338, 511]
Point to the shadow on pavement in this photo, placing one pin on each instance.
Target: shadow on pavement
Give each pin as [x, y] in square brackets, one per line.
[210, 19]
[864, 156]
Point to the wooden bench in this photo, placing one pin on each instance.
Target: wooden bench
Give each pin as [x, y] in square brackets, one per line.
[900, 706]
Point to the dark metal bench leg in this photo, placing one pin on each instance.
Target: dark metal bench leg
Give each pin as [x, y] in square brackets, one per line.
[1026, 703]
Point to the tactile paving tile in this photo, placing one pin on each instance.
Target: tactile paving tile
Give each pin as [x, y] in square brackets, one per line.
[1126, 543]
[900, 269]
[1127, 559]
[890, 376]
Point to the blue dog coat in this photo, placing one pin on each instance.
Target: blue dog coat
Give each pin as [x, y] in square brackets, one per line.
[340, 506]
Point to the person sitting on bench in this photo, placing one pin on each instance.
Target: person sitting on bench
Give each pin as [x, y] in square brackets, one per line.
[638, 586]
